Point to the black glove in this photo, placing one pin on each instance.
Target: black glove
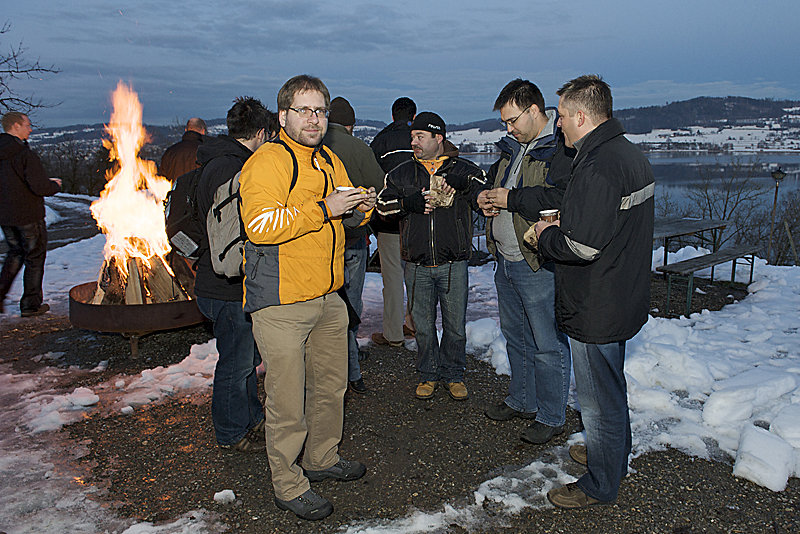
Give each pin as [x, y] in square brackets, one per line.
[459, 182]
[415, 202]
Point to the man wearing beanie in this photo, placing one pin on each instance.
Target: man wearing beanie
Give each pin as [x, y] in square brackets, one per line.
[433, 194]
[364, 171]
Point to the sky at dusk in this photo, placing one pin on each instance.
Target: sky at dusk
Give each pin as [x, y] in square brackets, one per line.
[193, 59]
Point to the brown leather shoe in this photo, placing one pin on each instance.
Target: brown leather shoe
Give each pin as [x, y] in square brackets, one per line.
[378, 339]
[457, 390]
[571, 496]
[578, 454]
[409, 332]
[425, 390]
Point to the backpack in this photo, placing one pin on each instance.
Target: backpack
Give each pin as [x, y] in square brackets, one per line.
[183, 224]
[225, 228]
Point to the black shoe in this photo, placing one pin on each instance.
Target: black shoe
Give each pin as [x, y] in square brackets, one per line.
[362, 355]
[44, 308]
[341, 470]
[358, 386]
[540, 433]
[504, 412]
[309, 506]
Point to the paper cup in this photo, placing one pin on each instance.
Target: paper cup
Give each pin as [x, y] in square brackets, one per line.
[548, 215]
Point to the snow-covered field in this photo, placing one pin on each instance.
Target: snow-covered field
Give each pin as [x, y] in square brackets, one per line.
[713, 383]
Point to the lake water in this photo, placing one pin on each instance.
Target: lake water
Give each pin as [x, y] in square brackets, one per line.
[677, 172]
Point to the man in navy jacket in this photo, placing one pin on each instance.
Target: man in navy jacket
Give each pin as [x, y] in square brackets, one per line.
[602, 247]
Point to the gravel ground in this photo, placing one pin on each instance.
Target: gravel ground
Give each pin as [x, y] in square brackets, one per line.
[162, 461]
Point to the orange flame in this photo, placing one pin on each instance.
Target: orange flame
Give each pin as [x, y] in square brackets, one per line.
[130, 210]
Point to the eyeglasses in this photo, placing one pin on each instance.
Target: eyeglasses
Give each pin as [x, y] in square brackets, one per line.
[306, 113]
[510, 122]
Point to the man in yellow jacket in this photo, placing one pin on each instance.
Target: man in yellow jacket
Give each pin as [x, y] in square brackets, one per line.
[294, 264]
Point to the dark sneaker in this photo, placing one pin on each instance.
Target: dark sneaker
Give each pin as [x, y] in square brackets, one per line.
[540, 433]
[571, 496]
[378, 339]
[253, 441]
[578, 454]
[504, 412]
[308, 506]
[342, 470]
[44, 308]
[358, 386]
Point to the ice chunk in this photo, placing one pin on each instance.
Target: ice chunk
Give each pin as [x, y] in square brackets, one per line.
[763, 458]
[225, 496]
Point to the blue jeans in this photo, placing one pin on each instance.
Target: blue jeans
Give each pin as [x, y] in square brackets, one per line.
[448, 286]
[538, 351]
[235, 407]
[355, 265]
[602, 393]
[27, 245]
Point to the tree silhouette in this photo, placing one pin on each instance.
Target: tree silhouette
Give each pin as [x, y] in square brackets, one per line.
[14, 66]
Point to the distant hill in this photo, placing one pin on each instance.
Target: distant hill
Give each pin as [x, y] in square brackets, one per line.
[703, 111]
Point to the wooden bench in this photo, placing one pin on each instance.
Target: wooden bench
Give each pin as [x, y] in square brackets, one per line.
[687, 268]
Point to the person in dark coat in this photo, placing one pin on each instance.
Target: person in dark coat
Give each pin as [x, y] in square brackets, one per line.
[602, 246]
[434, 194]
[181, 157]
[236, 411]
[23, 186]
[363, 171]
[392, 146]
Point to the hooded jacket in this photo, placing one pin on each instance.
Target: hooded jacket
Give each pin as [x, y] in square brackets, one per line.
[222, 157]
[295, 249]
[603, 248]
[23, 183]
[445, 234]
[540, 184]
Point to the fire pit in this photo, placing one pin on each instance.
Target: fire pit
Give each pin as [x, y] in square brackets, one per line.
[138, 290]
[130, 320]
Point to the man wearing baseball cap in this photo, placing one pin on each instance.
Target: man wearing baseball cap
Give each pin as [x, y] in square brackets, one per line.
[432, 194]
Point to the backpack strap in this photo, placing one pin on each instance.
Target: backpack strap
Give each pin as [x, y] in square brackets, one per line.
[294, 163]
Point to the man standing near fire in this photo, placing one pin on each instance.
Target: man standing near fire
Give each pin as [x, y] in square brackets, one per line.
[23, 186]
[294, 264]
[531, 175]
[602, 246]
[235, 408]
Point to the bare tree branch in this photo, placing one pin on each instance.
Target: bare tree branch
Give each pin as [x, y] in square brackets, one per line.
[14, 66]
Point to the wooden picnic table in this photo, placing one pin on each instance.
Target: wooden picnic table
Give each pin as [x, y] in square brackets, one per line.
[667, 229]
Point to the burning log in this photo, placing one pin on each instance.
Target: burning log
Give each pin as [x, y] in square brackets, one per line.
[134, 289]
[161, 285]
[140, 285]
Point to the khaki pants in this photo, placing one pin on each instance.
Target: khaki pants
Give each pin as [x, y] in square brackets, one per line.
[392, 274]
[304, 347]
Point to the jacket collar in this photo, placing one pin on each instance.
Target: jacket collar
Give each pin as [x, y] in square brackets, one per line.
[603, 133]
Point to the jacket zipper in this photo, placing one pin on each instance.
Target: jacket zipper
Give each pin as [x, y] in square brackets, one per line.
[330, 223]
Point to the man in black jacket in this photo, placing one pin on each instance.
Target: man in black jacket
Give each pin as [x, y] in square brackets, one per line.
[533, 170]
[181, 157]
[235, 408]
[602, 247]
[23, 186]
[433, 195]
[392, 146]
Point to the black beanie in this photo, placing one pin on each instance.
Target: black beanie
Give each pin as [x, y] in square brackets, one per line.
[430, 122]
[342, 112]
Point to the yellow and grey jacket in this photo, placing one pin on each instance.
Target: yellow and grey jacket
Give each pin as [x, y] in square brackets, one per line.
[295, 249]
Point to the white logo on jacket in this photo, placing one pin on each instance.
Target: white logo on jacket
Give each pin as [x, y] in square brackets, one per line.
[279, 217]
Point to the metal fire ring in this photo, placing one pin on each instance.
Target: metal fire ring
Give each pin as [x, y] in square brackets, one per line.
[132, 320]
